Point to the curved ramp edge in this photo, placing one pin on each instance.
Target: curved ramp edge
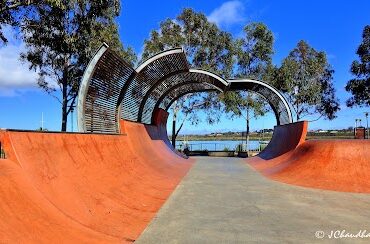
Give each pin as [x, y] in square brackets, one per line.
[284, 139]
[84, 187]
[338, 165]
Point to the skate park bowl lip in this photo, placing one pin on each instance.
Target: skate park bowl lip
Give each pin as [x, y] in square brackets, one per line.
[60, 132]
[337, 165]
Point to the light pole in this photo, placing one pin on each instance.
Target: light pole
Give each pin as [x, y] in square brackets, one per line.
[42, 121]
[367, 124]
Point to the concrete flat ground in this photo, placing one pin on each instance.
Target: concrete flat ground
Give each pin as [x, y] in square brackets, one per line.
[223, 200]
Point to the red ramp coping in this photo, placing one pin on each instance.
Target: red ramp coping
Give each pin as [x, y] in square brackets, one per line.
[339, 165]
[84, 187]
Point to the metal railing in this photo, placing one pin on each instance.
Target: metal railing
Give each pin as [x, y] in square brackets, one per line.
[217, 146]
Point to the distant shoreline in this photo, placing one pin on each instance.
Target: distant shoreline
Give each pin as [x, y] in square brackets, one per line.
[265, 137]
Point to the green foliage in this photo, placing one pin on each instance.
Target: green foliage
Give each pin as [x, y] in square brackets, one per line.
[214, 50]
[206, 45]
[239, 148]
[239, 104]
[13, 11]
[61, 39]
[263, 146]
[359, 87]
[169, 36]
[253, 54]
[307, 79]
[207, 48]
[254, 51]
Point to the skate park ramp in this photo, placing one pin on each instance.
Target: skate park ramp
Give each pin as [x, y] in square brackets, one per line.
[339, 165]
[87, 187]
[107, 182]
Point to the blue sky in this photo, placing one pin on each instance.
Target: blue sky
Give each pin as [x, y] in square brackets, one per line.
[332, 26]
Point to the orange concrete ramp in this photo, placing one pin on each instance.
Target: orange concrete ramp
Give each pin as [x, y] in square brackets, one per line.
[84, 187]
[26, 216]
[339, 165]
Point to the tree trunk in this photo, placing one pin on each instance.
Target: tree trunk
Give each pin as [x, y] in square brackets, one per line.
[247, 136]
[179, 129]
[297, 113]
[174, 131]
[247, 118]
[64, 101]
[297, 117]
[174, 125]
[64, 113]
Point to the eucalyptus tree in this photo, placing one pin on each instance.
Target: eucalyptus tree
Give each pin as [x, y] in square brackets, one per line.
[306, 77]
[61, 38]
[207, 47]
[359, 87]
[254, 60]
[13, 11]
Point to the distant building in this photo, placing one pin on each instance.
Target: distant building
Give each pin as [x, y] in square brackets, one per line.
[359, 132]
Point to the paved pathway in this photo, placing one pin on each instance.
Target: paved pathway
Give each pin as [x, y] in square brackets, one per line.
[223, 200]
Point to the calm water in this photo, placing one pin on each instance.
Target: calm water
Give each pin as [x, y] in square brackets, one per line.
[216, 145]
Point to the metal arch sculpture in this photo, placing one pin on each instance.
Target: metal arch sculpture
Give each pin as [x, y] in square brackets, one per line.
[147, 75]
[203, 80]
[112, 90]
[103, 79]
[276, 100]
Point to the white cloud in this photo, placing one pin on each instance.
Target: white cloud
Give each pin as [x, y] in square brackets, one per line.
[228, 13]
[15, 76]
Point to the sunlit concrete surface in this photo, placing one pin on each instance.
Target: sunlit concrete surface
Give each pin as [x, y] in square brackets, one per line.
[223, 200]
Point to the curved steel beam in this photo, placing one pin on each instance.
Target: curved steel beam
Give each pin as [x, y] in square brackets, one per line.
[158, 56]
[122, 94]
[140, 70]
[238, 85]
[182, 84]
[84, 87]
[221, 85]
[179, 85]
[276, 112]
[153, 87]
[213, 75]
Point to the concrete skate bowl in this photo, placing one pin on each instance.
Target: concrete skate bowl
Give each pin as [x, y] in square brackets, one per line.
[86, 188]
[106, 182]
[338, 165]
